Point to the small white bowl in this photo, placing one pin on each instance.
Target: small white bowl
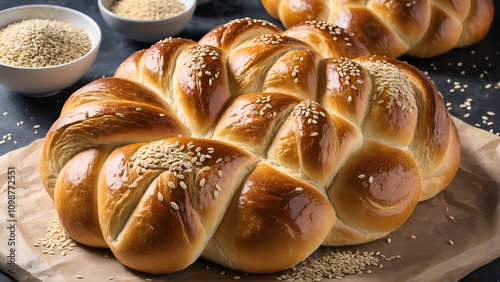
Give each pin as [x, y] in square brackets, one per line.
[147, 31]
[47, 81]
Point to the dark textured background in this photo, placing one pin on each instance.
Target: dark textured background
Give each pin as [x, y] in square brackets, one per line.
[468, 78]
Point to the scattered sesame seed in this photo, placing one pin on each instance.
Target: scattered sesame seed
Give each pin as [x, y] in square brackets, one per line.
[451, 242]
[299, 189]
[119, 115]
[389, 240]
[160, 197]
[174, 206]
[451, 217]
[79, 277]
[361, 176]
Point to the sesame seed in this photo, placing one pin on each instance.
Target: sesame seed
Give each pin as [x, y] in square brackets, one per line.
[138, 109]
[299, 189]
[162, 115]
[451, 242]
[314, 134]
[160, 197]
[119, 115]
[451, 217]
[183, 185]
[217, 186]
[79, 277]
[413, 236]
[349, 99]
[389, 240]
[174, 206]
[361, 176]
[370, 180]
[216, 194]
[202, 182]
[219, 173]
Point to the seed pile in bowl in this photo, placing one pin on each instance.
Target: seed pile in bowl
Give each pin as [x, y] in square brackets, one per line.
[147, 10]
[42, 43]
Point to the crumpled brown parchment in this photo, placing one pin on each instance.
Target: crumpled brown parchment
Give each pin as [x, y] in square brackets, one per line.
[472, 199]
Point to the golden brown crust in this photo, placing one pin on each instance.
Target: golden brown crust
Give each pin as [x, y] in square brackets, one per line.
[392, 114]
[269, 214]
[255, 57]
[435, 144]
[408, 19]
[328, 39]
[115, 89]
[102, 124]
[370, 30]
[295, 73]
[307, 143]
[421, 28]
[377, 188]
[75, 196]
[200, 87]
[477, 23]
[155, 66]
[159, 218]
[442, 35]
[297, 11]
[252, 119]
[287, 128]
[228, 36]
[345, 88]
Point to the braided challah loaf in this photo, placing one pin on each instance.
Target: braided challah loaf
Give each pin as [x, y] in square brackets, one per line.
[419, 28]
[250, 148]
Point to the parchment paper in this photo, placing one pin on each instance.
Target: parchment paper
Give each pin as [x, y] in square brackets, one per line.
[472, 199]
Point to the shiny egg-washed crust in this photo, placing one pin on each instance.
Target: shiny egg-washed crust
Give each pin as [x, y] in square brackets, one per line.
[419, 28]
[250, 148]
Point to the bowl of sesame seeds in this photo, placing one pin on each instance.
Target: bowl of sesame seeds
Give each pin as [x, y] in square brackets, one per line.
[45, 48]
[147, 21]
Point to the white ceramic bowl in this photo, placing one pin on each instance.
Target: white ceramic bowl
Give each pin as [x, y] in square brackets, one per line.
[147, 31]
[46, 81]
